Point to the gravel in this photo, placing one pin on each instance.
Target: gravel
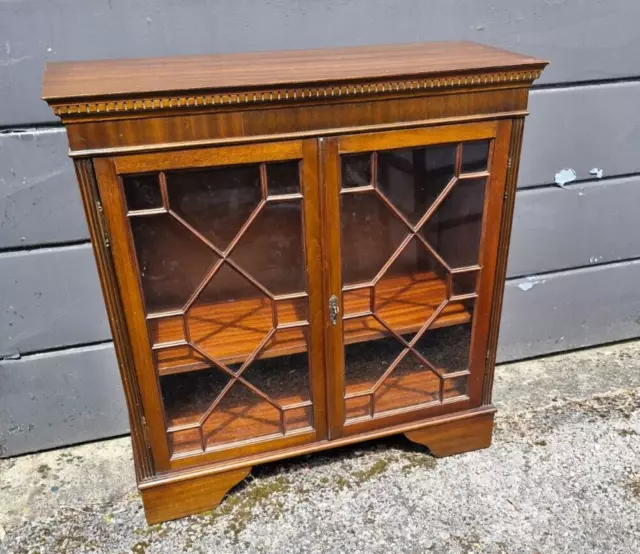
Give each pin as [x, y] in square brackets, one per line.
[563, 475]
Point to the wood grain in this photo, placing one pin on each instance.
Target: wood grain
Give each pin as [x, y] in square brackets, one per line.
[455, 437]
[218, 72]
[222, 156]
[130, 132]
[173, 500]
[511, 177]
[417, 137]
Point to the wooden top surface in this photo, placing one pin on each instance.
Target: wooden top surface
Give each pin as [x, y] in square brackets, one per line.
[107, 78]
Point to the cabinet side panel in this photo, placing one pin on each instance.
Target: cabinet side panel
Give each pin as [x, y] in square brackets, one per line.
[517, 128]
[90, 199]
[126, 281]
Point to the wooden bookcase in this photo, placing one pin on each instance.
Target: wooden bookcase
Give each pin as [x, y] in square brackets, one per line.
[297, 250]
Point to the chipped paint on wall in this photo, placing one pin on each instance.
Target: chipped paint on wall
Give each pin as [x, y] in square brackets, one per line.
[565, 176]
[531, 282]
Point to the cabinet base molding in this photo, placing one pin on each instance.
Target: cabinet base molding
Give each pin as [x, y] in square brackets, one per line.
[179, 496]
[175, 499]
[455, 437]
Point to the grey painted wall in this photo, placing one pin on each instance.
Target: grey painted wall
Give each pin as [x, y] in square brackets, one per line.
[586, 40]
[50, 298]
[39, 200]
[584, 224]
[570, 309]
[574, 260]
[58, 398]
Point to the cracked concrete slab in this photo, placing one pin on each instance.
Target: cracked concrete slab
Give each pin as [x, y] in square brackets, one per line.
[563, 475]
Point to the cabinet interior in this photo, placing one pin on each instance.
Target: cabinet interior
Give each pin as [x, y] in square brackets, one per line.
[220, 254]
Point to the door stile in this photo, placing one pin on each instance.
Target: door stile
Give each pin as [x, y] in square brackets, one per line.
[312, 226]
[123, 256]
[489, 253]
[330, 164]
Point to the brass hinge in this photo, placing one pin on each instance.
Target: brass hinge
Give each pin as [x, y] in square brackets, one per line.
[145, 433]
[509, 165]
[102, 223]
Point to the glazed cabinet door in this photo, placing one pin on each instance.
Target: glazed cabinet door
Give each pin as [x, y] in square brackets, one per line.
[411, 262]
[217, 256]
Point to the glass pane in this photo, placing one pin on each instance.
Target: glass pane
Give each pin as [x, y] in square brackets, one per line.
[272, 250]
[142, 192]
[475, 156]
[292, 310]
[216, 202]
[177, 359]
[356, 171]
[464, 283]
[222, 271]
[298, 418]
[454, 229]
[166, 329]
[366, 360]
[410, 384]
[230, 317]
[241, 415]
[455, 387]
[370, 235]
[356, 301]
[185, 440]
[411, 290]
[403, 239]
[283, 178]
[186, 397]
[447, 348]
[171, 260]
[412, 178]
[358, 406]
[283, 378]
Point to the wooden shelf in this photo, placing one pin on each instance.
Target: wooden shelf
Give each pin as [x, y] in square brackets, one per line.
[404, 302]
[230, 331]
[250, 416]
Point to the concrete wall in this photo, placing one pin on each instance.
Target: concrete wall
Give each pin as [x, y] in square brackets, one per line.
[575, 254]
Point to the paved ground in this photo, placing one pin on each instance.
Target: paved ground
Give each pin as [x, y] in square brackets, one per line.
[563, 475]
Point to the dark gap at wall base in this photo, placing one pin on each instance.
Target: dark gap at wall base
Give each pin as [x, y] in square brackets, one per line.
[45, 246]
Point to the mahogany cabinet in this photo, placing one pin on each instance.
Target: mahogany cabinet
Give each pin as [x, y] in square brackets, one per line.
[297, 250]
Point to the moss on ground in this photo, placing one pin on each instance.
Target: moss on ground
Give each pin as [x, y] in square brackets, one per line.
[418, 460]
[633, 485]
[377, 469]
[240, 506]
[627, 432]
